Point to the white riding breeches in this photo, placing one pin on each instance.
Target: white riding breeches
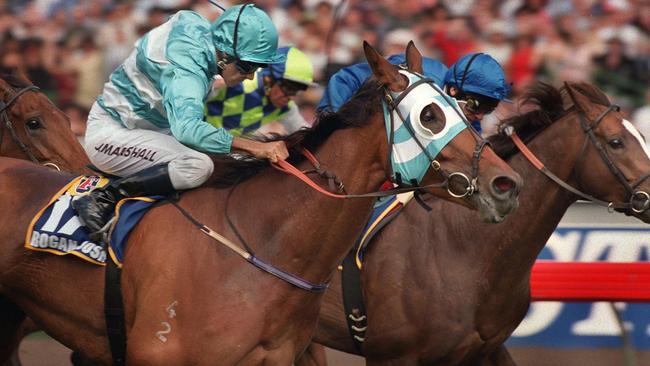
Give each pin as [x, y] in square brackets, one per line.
[118, 150]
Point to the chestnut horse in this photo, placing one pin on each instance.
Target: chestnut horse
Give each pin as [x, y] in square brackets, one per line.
[453, 292]
[223, 310]
[32, 128]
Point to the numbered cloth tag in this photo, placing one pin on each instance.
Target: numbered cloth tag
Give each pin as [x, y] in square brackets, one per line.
[57, 229]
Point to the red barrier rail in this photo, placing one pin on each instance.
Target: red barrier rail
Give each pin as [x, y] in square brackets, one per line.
[590, 281]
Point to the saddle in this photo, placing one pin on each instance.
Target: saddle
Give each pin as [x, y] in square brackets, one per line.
[56, 228]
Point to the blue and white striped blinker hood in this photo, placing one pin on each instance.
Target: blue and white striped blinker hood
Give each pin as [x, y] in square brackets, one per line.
[407, 157]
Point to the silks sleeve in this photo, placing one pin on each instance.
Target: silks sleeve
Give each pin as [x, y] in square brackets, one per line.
[183, 93]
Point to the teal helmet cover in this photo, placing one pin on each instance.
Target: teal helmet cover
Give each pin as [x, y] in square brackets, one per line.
[256, 36]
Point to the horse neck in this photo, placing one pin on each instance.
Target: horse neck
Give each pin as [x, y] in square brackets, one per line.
[327, 227]
[542, 201]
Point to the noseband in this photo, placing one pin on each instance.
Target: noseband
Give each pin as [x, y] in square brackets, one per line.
[6, 123]
[471, 184]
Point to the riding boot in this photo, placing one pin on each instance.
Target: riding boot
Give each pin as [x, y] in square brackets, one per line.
[97, 208]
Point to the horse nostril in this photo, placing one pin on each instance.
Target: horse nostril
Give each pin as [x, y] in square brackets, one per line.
[503, 184]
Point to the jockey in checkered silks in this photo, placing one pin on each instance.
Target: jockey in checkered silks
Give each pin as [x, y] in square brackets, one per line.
[148, 124]
[264, 104]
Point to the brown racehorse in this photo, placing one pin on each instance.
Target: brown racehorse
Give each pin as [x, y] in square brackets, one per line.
[225, 310]
[32, 128]
[453, 292]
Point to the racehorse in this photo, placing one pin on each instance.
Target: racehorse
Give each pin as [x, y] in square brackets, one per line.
[454, 291]
[33, 128]
[224, 311]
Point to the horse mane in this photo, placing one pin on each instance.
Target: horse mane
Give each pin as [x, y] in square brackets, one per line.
[14, 81]
[550, 104]
[230, 169]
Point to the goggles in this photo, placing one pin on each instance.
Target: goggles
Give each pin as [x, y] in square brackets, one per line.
[479, 104]
[247, 67]
[290, 88]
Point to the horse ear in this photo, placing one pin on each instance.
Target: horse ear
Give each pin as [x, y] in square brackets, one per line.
[579, 101]
[413, 58]
[20, 74]
[386, 73]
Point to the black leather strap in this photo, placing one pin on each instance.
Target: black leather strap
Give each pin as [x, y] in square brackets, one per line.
[114, 313]
[355, 312]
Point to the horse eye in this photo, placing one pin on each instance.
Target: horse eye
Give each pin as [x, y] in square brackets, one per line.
[428, 115]
[33, 124]
[433, 118]
[615, 144]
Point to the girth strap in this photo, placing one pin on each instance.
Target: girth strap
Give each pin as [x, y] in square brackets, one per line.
[355, 311]
[114, 313]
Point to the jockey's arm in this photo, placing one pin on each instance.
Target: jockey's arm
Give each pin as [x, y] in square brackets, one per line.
[183, 92]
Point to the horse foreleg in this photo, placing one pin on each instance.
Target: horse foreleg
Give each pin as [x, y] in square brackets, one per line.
[500, 357]
[11, 319]
[314, 355]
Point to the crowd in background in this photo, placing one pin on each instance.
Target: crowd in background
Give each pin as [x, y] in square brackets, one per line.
[69, 47]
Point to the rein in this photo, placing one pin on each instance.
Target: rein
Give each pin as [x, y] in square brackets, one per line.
[588, 128]
[6, 123]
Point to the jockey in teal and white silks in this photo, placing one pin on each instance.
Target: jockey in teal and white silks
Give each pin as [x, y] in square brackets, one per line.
[147, 125]
[253, 106]
[476, 80]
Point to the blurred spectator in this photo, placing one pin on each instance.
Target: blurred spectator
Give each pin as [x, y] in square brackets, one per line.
[575, 63]
[641, 118]
[397, 39]
[615, 74]
[32, 57]
[10, 61]
[89, 67]
[497, 44]
[68, 46]
[522, 65]
[78, 116]
[459, 38]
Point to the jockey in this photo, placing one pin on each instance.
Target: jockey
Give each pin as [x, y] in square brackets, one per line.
[252, 106]
[147, 125]
[476, 80]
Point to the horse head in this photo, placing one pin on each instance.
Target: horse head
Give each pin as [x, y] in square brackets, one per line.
[32, 127]
[615, 161]
[430, 140]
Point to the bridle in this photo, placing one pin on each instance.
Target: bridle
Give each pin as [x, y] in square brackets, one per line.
[5, 123]
[588, 128]
[471, 184]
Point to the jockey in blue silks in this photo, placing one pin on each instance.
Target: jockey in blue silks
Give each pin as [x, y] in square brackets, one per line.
[476, 80]
[147, 126]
